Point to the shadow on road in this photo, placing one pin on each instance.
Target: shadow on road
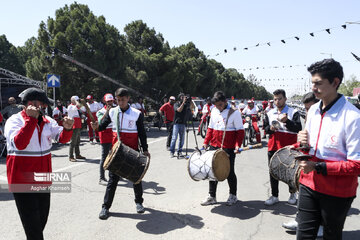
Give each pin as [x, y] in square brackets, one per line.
[157, 190]
[353, 211]
[350, 235]
[6, 196]
[160, 222]
[249, 209]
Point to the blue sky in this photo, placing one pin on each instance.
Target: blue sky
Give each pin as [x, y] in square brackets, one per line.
[217, 25]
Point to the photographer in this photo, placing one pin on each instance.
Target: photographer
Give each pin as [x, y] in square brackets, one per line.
[182, 114]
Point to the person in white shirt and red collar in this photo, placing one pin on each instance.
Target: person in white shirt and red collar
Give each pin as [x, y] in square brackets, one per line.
[139, 105]
[59, 112]
[329, 180]
[130, 130]
[253, 111]
[282, 124]
[106, 136]
[29, 135]
[234, 136]
[206, 112]
[94, 107]
[74, 112]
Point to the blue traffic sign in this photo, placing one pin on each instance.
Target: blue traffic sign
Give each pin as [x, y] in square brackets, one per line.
[53, 80]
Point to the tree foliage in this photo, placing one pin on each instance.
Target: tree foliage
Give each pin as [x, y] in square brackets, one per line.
[139, 58]
[346, 88]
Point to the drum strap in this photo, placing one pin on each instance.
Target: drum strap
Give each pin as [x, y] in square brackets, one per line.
[231, 110]
[117, 123]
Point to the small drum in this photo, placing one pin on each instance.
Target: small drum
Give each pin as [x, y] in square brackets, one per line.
[126, 162]
[283, 166]
[213, 165]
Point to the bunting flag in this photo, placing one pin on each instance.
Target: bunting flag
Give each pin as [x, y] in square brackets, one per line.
[356, 57]
[284, 41]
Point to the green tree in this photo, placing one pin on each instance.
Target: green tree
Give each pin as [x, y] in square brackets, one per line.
[346, 88]
[9, 57]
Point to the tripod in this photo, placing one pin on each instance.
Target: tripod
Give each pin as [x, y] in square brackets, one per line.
[187, 136]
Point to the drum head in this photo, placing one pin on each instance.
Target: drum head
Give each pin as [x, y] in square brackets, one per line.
[221, 165]
[194, 169]
[109, 158]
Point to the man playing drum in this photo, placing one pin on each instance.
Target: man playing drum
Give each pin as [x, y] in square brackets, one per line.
[234, 134]
[282, 124]
[329, 180]
[129, 130]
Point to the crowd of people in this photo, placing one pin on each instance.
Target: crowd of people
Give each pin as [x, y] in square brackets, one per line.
[328, 180]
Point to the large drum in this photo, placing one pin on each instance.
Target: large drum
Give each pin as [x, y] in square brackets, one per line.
[283, 166]
[126, 162]
[213, 165]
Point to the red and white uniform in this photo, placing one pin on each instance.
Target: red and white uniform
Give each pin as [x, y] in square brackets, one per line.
[282, 137]
[73, 112]
[334, 139]
[242, 106]
[253, 113]
[269, 108]
[207, 109]
[127, 128]
[56, 114]
[139, 106]
[29, 145]
[106, 136]
[248, 111]
[94, 107]
[234, 130]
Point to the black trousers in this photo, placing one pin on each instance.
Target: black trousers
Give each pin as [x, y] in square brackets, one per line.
[111, 188]
[169, 128]
[232, 180]
[316, 208]
[274, 183]
[33, 209]
[105, 148]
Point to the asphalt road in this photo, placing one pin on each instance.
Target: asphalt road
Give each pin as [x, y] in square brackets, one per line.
[172, 201]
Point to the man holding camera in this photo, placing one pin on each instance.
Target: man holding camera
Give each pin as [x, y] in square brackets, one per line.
[182, 114]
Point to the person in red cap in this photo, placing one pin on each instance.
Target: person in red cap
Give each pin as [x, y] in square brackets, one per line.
[252, 110]
[106, 136]
[29, 135]
[94, 107]
[168, 111]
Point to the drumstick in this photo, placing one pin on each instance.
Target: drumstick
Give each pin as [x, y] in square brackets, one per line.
[87, 110]
[259, 145]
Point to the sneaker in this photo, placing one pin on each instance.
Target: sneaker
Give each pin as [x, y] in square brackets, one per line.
[231, 200]
[320, 231]
[80, 157]
[104, 214]
[271, 201]
[72, 159]
[292, 225]
[208, 201]
[292, 199]
[103, 182]
[140, 208]
[172, 155]
[180, 155]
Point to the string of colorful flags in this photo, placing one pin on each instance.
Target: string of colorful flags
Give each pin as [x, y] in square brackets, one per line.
[284, 40]
[290, 66]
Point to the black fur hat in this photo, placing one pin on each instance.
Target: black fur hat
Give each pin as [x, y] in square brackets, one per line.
[34, 94]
